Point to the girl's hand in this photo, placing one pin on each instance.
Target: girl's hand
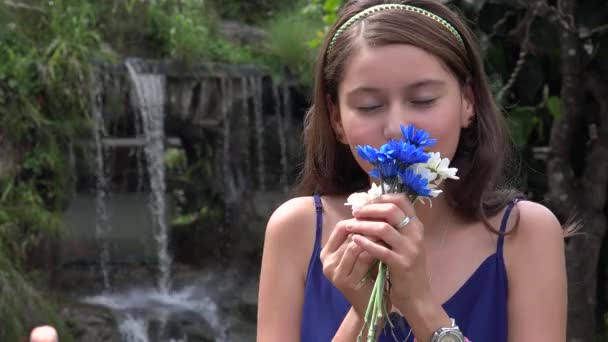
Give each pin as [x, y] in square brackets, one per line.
[374, 231]
[345, 263]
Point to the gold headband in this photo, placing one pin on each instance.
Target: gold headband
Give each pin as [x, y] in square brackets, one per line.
[374, 9]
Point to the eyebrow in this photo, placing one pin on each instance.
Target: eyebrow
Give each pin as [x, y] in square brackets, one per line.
[415, 85]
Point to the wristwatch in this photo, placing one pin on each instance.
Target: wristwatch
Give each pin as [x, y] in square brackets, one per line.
[451, 334]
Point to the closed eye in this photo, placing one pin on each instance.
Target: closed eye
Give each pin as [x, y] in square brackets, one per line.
[368, 108]
[424, 103]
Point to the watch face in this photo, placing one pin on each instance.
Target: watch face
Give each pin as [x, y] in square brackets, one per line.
[451, 337]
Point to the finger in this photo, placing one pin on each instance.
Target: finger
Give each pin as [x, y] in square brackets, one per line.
[377, 230]
[337, 236]
[349, 258]
[400, 200]
[362, 265]
[377, 251]
[393, 205]
[388, 212]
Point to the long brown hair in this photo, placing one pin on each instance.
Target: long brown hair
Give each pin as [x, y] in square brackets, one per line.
[483, 149]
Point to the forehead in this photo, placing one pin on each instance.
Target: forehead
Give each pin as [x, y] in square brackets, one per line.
[392, 66]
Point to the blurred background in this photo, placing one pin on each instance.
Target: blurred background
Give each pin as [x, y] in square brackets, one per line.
[144, 143]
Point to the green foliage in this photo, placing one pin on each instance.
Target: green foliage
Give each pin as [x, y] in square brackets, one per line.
[175, 159]
[189, 218]
[554, 106]
[187, 33]
[25, 221]
[250, 11]
[287, 43]
[327, 10]
[48, 56]
[521, 122]
[44, 103]
[24, 307]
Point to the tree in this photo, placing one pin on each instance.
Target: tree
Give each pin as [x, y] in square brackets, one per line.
[580, 186]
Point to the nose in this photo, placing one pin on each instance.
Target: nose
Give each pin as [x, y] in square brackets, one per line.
[394, 120]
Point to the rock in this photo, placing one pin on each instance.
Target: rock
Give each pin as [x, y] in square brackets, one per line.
[90, 323]
[185, 326]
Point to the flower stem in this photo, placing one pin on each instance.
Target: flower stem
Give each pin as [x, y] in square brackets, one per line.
[376, 308]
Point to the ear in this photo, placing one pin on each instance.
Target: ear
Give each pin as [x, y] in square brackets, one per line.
[467, 112]
[335, 119]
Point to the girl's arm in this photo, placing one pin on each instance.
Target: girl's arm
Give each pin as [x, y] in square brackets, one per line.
[536, 268]
[288, 244]
[350, 327]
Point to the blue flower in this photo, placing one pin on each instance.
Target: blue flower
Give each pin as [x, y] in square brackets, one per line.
[368, 153]
[417, 137]
[388, 170]
[414, 183]
[409, 154]
[386, 152]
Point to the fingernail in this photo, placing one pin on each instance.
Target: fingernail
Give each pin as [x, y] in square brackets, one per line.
[355, 211]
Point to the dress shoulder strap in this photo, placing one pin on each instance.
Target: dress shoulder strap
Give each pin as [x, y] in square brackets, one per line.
[503, 225]
[319, 225]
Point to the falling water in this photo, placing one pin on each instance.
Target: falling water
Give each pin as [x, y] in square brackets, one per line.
[149, 90]
[245, 92]
[281, 135]
[143, 314]
[102, 225]
[229, 186]
[139, 155]
[133, 329]
[287, 114]
[256, 83]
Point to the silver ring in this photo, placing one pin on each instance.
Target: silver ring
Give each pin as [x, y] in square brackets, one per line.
[403, 223]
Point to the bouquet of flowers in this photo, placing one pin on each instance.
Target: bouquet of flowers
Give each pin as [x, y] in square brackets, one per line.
[401, 167]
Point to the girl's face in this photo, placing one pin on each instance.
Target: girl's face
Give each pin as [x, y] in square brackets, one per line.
[392, 85]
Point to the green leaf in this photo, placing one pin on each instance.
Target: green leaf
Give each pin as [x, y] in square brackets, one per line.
[521, 122]
[554, 106]
[332, 5]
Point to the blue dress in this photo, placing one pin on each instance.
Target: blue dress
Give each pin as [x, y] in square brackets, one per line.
[479, 306]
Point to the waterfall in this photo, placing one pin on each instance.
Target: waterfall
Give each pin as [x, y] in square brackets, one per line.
[139, 155]
[244, 118]
[229, 185]
[133, 329]
[287, 114]
[282, 139]
[102, 225]
[149, 90]
[256, 83]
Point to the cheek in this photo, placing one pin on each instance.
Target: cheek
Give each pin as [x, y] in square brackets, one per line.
[361, 130]
[447, 144]
[443, 125]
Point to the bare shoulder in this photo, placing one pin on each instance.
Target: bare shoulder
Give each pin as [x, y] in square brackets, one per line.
[537, 233]
[290, 232]
[536, 272]
[288, 245]
[290, 217]
[536, 221]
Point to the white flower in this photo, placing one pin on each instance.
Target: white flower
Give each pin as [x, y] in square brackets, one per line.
[376, 191]
[424, 171]
[441, 167]
[434, 191]
[359, 199]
